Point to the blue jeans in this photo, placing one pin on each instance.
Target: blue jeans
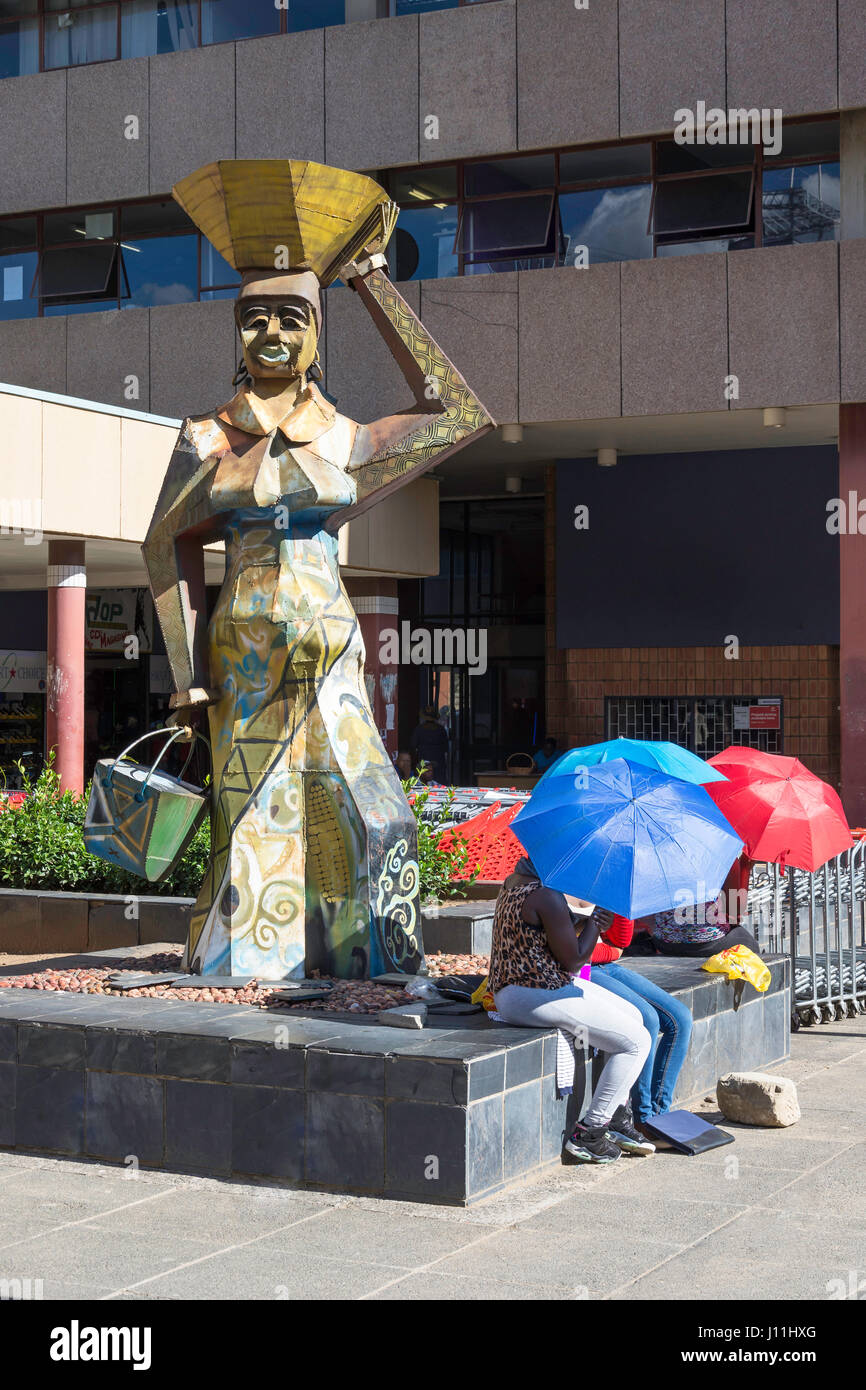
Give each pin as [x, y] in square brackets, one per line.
[669, 1024]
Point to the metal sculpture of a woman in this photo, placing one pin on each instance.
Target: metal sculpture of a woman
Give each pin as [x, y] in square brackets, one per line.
[313, 850]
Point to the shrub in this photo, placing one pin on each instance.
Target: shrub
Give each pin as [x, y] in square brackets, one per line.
[438, 867]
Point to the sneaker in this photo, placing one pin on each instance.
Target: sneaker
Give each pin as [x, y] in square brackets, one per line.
[592, 1145]
[621, 1129]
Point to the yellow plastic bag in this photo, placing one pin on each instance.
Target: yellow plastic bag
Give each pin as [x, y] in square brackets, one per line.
[739, 963]
[483, 995]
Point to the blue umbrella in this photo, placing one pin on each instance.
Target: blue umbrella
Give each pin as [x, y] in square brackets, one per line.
[631, 839]
[663, 756]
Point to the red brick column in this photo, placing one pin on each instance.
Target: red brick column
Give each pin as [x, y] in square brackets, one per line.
[64, 716]
[376, 604]
[852, 615]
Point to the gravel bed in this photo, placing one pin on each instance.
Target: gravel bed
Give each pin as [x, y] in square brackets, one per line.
[347, 996]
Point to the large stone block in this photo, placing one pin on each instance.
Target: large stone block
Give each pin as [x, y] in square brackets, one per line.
[852, 53]
[192, 112]
[677, 305]
[757, 1098]
[49, 1109]
[567, 80]
[668, 58]
[102, 163]
[361, 373]
[475, 320]
[124, 1117]
[63, 922]
[371, 93]
[33, 351]
[19, 922]
[104, 351]
[32, 143]
[783, 306]
[193, 357]
[766, 45]
[280, 101]
[852, 325]
[468, 81]
[569, 343]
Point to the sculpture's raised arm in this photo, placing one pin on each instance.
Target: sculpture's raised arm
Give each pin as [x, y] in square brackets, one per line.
[446, 414]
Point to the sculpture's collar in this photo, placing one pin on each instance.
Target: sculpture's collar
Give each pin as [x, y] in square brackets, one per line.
[254, 414]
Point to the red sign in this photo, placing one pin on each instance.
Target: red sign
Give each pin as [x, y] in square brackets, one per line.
[764, 717]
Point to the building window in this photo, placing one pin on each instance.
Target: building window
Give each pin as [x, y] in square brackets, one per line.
[705, 724]
[38, 35]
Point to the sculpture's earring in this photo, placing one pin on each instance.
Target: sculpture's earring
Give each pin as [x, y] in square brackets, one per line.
[314, 371]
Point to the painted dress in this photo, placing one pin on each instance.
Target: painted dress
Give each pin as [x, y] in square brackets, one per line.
[314, 855]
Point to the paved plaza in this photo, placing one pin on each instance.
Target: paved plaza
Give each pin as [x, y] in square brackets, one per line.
[778, 1215]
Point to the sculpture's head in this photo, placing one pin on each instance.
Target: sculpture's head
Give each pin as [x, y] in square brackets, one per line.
[278, 316]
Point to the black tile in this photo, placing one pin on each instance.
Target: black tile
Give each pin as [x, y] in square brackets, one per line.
[487, 1075]
[426, 1150]
[49, 1109]
[374, 1038]
[196, 1058]
[345, 1144]
[751, 1042]
[726, 1029]
[522, 1150]
[426, 1078]
[263, 1064]
[524, 1064]
[549, 1054]
[198, 1126]
[484, 1145]
[8, 1041]
[108, 1050]
[777, 1026]
[50, 1045]
[124, 1117]
[705, 1000]
[345, 1073]
[268, 1132]
[701, 1069]
[284, 1029]
[553, 1119]
[7, 1104]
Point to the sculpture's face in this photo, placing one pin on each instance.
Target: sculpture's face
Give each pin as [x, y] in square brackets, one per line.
[279, 334]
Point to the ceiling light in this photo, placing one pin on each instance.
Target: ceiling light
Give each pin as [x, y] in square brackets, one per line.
[513, 484]
[607, 458]
[774, 417]
[512, 434]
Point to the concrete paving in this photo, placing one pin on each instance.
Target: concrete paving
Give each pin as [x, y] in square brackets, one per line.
[780, 1214]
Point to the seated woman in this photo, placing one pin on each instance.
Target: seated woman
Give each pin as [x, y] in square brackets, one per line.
[535, 952]
[667, 1020]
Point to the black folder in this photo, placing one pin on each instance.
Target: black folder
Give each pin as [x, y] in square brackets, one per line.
[687, 1132]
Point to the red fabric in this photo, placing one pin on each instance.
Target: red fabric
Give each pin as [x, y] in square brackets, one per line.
[782, 811]
[613, 941]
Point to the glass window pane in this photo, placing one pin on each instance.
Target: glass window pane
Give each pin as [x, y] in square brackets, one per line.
[161, 270]
[93, 224]
[490, 267]
[506, 224]
[672, 158]
[424, 6]
[17, 231]
[146, 219]
[16, 278]
[19, 48]
[508, 175]
[423, 244]
[158, 26]
[610, 222]
[222, 20]
[75, 271]
[692, 205]
[808, 138]
[706, 246]
[219, 294]
[423, 185]
[215, 269]
[801, 203]
[89, 37]
[614, 162]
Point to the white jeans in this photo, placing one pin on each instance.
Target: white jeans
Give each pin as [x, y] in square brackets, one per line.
[596, 1018]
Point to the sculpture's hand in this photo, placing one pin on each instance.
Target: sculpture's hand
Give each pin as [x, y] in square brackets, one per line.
[188, 710]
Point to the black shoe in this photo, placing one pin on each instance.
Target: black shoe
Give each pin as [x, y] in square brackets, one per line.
[592, 1145]
[622, 1131]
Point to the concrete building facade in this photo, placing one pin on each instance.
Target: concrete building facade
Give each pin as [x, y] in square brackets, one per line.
[676, 328]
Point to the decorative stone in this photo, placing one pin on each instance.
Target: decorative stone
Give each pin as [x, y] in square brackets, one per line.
[404, 1016]
[757, 1098]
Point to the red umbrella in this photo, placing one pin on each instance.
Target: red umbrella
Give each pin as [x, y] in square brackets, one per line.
[783, 812]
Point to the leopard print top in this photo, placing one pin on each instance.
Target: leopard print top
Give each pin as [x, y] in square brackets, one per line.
[520, 954]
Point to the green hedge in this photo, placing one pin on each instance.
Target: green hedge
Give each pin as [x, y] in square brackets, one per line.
[42, 846]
